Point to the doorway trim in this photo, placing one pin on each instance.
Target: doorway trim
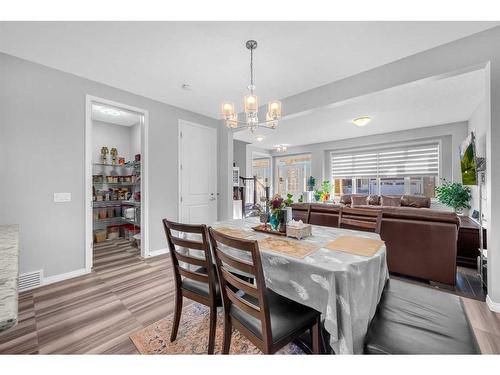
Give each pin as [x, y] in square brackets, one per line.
[179, 151]
[89, 100]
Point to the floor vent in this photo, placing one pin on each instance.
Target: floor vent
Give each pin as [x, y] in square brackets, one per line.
[30, 280]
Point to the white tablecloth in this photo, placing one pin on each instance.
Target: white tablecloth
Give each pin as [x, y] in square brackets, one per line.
[345, 288]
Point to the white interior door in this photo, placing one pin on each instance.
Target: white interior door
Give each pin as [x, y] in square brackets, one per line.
[197, 173]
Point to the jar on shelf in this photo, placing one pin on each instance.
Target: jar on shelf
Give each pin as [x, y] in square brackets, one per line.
[103, 213]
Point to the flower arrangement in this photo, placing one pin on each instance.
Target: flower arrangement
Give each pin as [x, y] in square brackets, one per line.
[276, 206]
[323, 195]
[326, 186]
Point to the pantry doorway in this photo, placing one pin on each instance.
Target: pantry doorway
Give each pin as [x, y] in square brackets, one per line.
[116, 191]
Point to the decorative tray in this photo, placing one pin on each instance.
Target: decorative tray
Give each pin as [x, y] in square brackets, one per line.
[266, 228]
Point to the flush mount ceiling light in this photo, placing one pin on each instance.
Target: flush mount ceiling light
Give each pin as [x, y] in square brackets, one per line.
[281, 148]
[362, 121]
[109, 111]
[251, 106]
[259, 138]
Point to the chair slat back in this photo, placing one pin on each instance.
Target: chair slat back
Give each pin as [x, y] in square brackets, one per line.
[360, 218]
[179, 251]
[228, 266]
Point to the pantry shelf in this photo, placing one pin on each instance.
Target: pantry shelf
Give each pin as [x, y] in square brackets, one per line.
[117, 183]
[127, 165]
[100, 204]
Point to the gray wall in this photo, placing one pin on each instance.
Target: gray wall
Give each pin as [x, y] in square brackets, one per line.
[450, 136]
[112, 135]
[240, 156]
[42, 151]
[479, 125]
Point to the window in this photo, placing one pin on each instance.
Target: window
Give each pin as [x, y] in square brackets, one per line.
[261, 168]
[407, 170]
[392, 186]
[292, 173]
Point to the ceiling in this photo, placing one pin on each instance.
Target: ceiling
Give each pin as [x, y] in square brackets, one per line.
[114, 115]
[155, 59]
[410, 106]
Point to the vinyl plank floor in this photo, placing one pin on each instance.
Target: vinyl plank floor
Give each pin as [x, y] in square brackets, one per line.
[96, 313]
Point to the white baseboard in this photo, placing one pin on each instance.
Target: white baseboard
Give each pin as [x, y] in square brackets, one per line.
[494, 306]
[64, 276]
[155, 253]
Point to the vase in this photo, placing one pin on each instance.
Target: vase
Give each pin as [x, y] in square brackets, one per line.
[274, 220]
[286, 215]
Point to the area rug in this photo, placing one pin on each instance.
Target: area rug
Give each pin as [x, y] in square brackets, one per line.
[192, 337]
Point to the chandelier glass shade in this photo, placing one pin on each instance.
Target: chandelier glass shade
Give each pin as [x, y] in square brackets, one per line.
[251, 106]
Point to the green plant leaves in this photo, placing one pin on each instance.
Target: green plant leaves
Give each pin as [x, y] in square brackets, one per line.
[454, 194]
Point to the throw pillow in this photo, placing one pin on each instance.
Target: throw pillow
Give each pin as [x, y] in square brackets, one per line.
[358, 200]
[373, 200]
[390, 201]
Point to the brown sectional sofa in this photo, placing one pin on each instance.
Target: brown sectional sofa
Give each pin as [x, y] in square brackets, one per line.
[420, 242]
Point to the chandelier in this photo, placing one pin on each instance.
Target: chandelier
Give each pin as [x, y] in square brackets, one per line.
[251, 106]
[281, 148]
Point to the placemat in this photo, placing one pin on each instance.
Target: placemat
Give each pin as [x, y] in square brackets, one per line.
[238, 233]
[291, 248]
[355, 245]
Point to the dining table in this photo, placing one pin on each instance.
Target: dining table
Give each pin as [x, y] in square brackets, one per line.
[343, 286]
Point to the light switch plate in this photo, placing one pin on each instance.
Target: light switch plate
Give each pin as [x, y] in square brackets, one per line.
[62, 197]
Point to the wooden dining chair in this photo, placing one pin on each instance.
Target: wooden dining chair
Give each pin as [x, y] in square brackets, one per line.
[200, 285]
[364, 219]
[267, 319]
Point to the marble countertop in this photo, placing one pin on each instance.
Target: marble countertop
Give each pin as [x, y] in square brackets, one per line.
[9, 271]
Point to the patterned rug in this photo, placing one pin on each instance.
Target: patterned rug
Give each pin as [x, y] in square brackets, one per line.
[192, 337]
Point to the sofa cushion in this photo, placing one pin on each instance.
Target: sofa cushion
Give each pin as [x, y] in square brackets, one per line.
[424, 214]
[373, 200]
[413, 319]
[346, 199]
[359, 200]
[415, 201]
[390, 201]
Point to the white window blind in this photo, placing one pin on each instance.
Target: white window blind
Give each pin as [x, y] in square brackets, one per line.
[396, 162]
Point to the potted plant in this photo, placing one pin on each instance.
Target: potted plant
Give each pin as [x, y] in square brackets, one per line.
[317, 195]
[326, 187]
[311, 183]
[454, 194]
